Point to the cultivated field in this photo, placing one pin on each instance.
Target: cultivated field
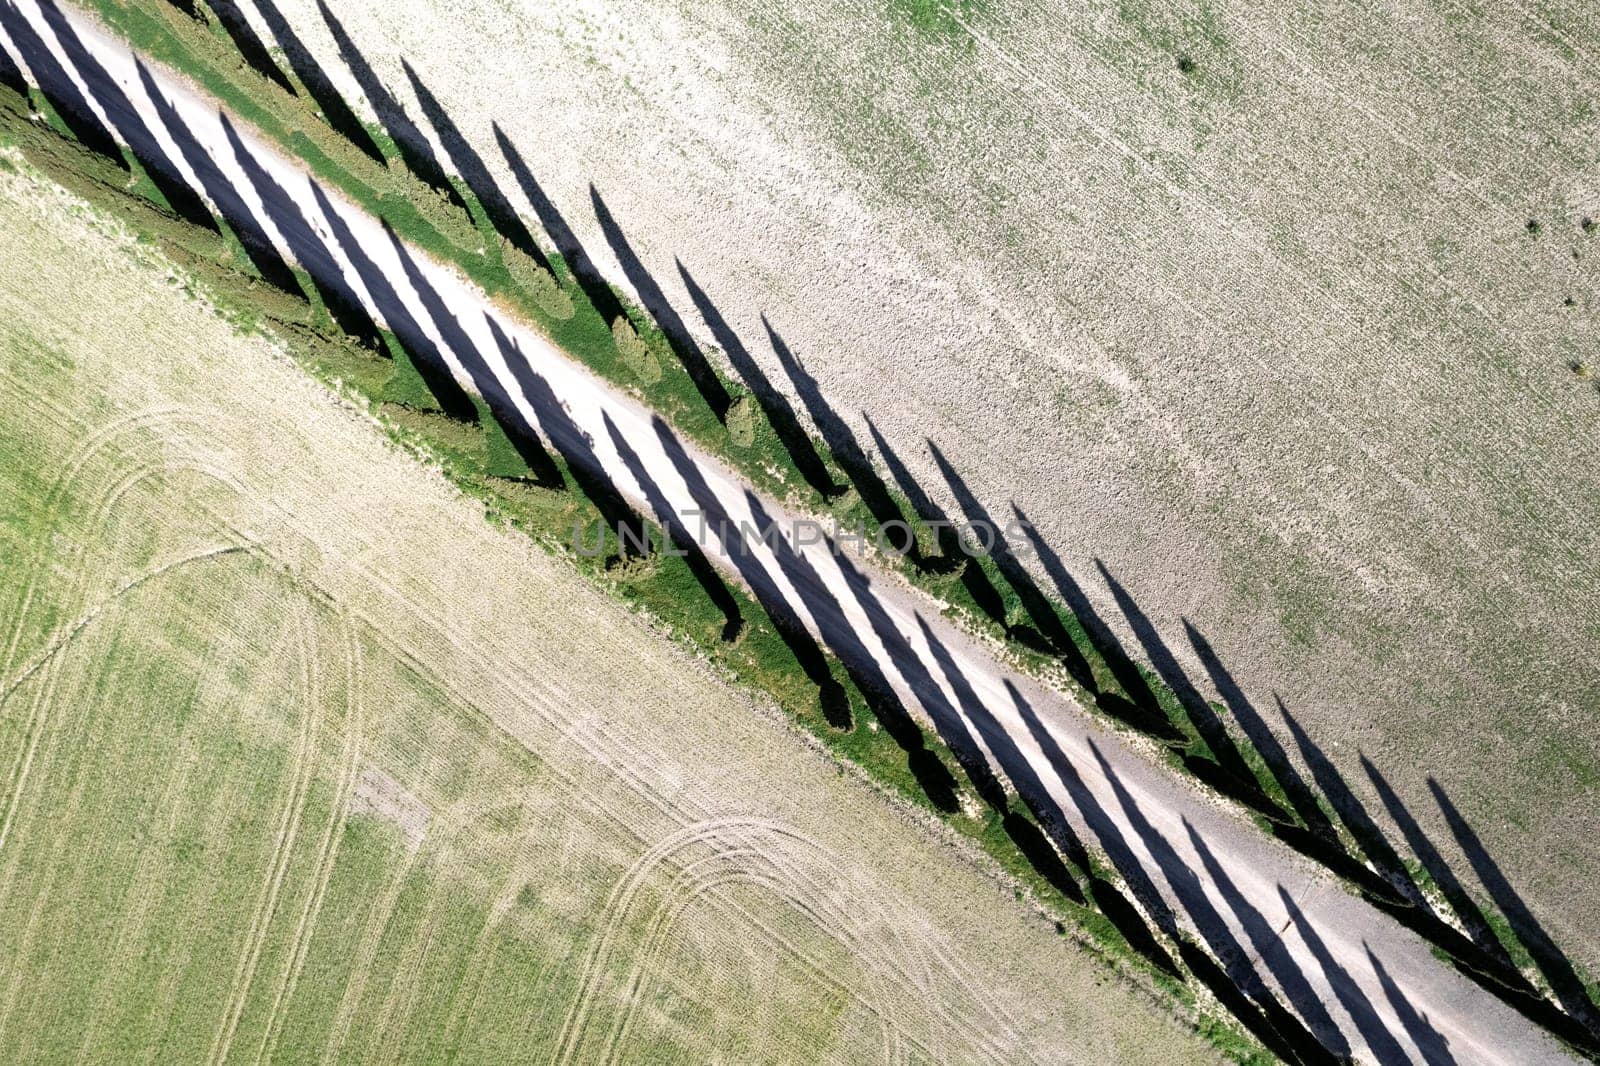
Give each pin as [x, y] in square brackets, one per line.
[305, 759]
[1285, 316]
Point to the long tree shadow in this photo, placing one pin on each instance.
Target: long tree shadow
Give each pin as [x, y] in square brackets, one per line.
[501, 215]
[951, 557]
[243, 35]
[1268, 946]
[335, 110]
[1301, 796]
[258, 247]
[833, 701]
[660, 308]
[1477, 953]
[1291, 1038]
[1466, 909]
[1433, 1045]
[1230, 774]
[846, 451]
[583, 270]
[1044, 630]
[1379, 1040]
[865, 670]
[1547, 957]
[705, 574]
[1139, 708]
[59, 89]
[774, 404]
[163, 172]
[947, 556]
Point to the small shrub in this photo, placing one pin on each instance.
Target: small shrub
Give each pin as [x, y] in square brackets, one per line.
[742, 421]
[536, 281]
[1186, 65]
[635, 353]
[1533, 227]
[1583, 371]
[1586, 224]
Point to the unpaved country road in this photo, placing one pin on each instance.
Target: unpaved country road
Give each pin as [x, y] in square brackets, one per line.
[1363, 984]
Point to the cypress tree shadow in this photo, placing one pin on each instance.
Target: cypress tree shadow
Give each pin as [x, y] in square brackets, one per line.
[950, 557]
[305, 245]
[258, 247]
[655, 302]
[843, 447]
[954, 730]
[1551, 962]
[1397, 885]
[1269, 947]
[1434, 1047]
[428, 357]
[1379, 1040]
[249, 46]
[11, 76]
[1466, 910]
[1301, 796]
[59, 89]
[334, 109]
[1289, 1030]
[833, 702]
[780, 415]
[164, 174]
[1230, 774]
[415, 153]
[594, 287]
[425, 356]
[1141, 702]
[897, 721]
[1046, 633]
[1112, 903]
[932, 776]
[704, 573]
[501, 215]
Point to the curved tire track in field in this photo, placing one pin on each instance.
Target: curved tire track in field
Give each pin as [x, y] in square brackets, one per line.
[107, 443]
[302, 772]
[761, 852]
[328, 849]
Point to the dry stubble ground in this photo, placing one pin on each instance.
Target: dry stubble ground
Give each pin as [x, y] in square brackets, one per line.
[1272, 336]
[304, 757]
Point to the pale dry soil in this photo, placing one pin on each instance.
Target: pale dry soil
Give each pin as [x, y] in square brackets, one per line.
[305, 759]
[1271, 338]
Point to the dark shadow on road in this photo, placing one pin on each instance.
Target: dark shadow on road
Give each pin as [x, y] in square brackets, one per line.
[705, 574]
[58, 88]
[163, 172]
[832, 699]
[258, 247]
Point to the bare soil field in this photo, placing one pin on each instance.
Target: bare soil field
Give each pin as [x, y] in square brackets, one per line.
[1275, 322]
[305, 759]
